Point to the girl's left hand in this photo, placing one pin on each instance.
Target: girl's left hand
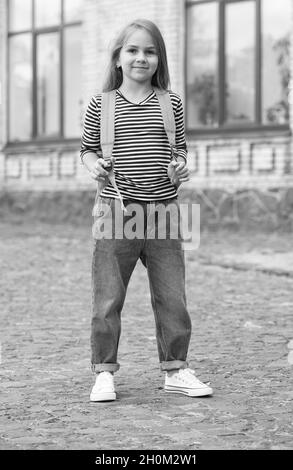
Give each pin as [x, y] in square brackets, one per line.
[178, 172]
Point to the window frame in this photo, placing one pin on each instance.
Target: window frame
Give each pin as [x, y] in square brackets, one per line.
[223, 127]
[34, 32]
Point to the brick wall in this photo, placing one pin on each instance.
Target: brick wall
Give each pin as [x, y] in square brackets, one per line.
[2, 69]
[291, 86]
[2, 85]
[261, 162]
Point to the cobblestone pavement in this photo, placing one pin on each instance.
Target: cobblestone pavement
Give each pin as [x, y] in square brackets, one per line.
[242, 328]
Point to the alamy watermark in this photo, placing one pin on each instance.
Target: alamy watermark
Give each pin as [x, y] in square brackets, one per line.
[155, 220]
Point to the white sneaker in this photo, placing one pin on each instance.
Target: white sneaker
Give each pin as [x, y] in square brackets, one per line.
[103, 390]
[184, 381]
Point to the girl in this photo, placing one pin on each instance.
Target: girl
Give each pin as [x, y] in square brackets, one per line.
[142, 159]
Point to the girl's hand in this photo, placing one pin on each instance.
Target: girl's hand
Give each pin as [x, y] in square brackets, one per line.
[178, 172]
[98, 171]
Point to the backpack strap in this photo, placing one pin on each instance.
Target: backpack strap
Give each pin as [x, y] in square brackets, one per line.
[168, 116]
[107, 123]
[170, 127]
[107, 136]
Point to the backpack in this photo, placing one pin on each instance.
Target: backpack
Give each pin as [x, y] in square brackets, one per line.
[108, 132]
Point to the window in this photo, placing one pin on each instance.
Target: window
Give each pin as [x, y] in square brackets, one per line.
[44, 86]
[202, 79]
[237, 68]
[275, 59]
[240, 61]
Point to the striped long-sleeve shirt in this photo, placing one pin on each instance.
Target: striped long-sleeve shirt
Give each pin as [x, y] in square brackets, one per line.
[141, 148]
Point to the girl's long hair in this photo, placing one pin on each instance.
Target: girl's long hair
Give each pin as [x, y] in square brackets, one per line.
[160, 79]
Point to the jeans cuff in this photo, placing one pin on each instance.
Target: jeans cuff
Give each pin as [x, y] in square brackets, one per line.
[105, 367]
[171, 365]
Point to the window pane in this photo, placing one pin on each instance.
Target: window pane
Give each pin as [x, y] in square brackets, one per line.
[240, 62]
[72, 81]
[276, 60]
[48, 84]
[20, 15]
[20, 87]
[72, 10]
[202, 47]
[47, 12]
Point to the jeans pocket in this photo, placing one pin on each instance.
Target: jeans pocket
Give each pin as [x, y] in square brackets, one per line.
[103, 217]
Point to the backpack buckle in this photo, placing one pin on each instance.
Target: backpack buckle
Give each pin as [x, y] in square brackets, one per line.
[108, 165]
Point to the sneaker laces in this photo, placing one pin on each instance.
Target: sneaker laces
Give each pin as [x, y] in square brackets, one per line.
[188, 376]
[104, 380]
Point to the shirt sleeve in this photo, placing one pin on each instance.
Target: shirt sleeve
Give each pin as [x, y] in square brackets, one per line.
[180, 131]
[90, 140]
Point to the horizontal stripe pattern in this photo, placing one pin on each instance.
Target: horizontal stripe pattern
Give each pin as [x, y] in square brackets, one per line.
[141, 146]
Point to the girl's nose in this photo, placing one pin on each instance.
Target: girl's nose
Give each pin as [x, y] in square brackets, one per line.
[141, 57]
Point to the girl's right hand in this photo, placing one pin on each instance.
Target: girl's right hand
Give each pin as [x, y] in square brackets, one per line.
[98, 171]
[178, 172]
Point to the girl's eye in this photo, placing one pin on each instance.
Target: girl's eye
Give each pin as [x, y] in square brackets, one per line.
[133, 51]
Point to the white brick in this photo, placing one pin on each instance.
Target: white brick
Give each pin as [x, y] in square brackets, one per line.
[67, 164]
[40, 166]
[13, 167]
[224, 159]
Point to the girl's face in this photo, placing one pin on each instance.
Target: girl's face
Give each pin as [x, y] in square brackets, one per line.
[138, 57]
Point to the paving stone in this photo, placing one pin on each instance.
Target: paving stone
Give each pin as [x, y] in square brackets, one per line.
[241, 322]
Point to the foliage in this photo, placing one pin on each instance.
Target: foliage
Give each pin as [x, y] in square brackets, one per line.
[279, 112]
[203, 93]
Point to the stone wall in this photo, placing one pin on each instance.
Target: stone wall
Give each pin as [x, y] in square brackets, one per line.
[248, 209]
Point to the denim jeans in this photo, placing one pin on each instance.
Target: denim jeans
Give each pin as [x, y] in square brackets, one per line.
[114, 259]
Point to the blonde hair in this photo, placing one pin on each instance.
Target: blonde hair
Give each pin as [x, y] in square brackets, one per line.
[160, 79]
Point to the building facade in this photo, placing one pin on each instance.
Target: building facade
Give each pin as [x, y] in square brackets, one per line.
[230, 60]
